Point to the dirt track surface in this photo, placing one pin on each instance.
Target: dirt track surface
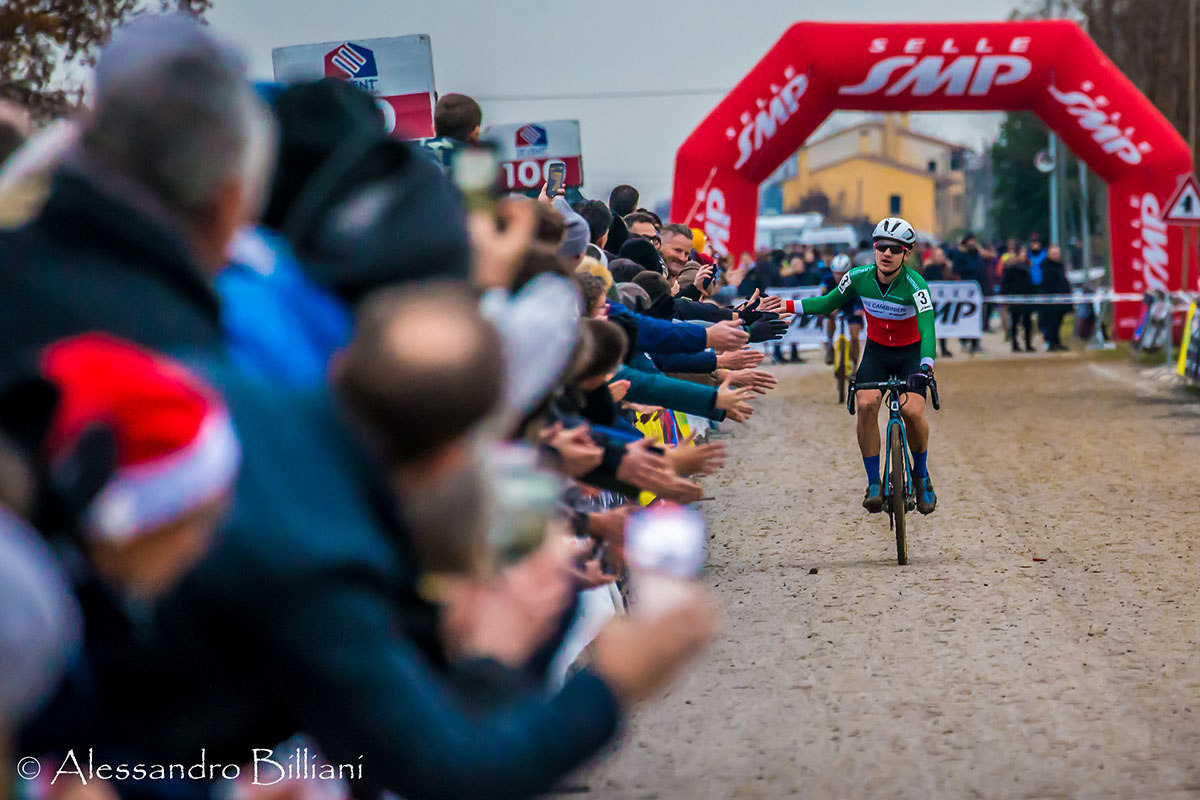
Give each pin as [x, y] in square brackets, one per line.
[976, 671]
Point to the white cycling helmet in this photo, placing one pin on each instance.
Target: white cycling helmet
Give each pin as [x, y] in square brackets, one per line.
[897, 230]
[839, 263]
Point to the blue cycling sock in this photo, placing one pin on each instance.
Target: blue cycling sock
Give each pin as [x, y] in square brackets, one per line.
[920, 470]
[872, 465]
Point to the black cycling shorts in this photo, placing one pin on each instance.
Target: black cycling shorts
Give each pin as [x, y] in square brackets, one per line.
[881, 362]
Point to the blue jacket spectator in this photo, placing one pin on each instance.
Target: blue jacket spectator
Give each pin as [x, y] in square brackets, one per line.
[278, 324]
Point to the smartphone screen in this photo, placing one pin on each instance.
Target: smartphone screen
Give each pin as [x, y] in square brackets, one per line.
[556, 175]
[665, 549]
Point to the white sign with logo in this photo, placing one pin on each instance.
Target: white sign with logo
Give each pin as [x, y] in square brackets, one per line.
[398, 70]
[957, 308]
[525, 148]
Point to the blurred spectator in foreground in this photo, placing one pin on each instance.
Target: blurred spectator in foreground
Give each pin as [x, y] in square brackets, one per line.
[170, 163]
[38, 629]
[1050, 316]
[152, 459]
[39, 617]
[26, 176]
[360, 209]
[1016, 281]
[14, 127]
[368, 674]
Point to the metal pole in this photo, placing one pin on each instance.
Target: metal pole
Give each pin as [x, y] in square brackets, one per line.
[1085, 224]
[1053, 190]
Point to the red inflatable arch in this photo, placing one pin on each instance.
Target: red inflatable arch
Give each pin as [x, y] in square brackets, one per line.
[1050, 67]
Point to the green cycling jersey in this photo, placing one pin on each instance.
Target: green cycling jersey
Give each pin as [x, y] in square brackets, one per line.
[898, 314]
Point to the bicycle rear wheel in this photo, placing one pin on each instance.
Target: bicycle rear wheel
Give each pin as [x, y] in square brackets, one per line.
[896, 479]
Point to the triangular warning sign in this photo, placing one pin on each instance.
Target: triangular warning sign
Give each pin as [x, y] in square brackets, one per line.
[1184, 206]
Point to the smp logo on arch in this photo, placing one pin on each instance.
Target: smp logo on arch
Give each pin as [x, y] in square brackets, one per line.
[948, 71]
[1092, 115]
[758, 128]
[1152, 259]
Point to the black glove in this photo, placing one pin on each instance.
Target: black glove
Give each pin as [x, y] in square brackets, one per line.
[918, 381]
[767, 329]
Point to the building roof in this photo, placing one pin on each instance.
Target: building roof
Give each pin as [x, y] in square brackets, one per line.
[874, 123]
[874, 159]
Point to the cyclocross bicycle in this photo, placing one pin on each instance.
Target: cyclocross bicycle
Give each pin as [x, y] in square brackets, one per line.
[899, 496]
[842, 368]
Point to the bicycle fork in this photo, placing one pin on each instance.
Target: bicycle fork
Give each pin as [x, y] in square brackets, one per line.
[895, 420]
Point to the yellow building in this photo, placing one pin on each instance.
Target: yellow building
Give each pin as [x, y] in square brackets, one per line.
[881, 168]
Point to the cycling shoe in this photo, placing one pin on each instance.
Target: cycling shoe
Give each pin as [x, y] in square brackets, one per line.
[873, 501]
[926, 499]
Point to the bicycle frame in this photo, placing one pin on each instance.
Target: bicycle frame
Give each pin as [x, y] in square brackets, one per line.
[893, 390]
[896, 420]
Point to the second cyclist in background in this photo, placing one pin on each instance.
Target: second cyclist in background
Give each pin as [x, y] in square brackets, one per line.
[852, 312]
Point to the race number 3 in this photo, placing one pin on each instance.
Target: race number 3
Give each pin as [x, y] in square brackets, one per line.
[844, 283]
[921, 298]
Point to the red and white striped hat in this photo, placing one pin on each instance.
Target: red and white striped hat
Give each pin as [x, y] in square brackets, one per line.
[176, 446]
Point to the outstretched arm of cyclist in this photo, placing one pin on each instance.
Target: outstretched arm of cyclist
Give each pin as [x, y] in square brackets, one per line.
[825, 304]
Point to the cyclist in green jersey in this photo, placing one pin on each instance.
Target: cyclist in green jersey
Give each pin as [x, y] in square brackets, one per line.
[901, 342]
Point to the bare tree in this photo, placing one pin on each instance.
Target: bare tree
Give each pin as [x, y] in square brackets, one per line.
[1147, 40]
[41, 39]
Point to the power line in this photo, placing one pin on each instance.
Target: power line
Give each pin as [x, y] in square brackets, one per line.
[500, 98]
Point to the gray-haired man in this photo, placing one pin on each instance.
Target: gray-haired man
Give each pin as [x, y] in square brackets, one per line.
[169, 163]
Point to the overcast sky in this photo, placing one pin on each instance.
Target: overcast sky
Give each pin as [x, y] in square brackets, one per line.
[501, 48]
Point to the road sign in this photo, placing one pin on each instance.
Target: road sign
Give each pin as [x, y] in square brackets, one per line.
[1184, 206]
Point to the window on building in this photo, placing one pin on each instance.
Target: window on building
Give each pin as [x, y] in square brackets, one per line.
[956, 160]
[894, 205]
[932, 166]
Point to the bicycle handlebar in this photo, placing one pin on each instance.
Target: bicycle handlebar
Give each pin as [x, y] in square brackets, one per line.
[893, 385]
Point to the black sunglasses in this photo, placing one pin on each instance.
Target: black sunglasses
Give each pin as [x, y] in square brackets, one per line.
[894, 249]
[653, 238]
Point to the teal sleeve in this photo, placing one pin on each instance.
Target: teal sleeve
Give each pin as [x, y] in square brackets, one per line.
[660, 390]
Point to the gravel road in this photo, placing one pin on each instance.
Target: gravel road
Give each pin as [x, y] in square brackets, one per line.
[1044, 640]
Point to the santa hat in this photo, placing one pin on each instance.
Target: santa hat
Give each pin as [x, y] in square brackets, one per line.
[176, 449]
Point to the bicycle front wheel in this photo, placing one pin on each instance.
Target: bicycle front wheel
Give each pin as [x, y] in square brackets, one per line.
[896, 478]
[841, 367]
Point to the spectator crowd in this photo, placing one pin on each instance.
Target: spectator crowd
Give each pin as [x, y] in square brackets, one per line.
[296, 449]
[1008, 268]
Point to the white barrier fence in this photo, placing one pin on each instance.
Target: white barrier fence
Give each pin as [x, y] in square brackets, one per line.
[957, 306]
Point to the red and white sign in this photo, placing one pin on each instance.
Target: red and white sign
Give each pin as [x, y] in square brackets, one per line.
[1184, 206]
[525, 148]
[398, 70]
